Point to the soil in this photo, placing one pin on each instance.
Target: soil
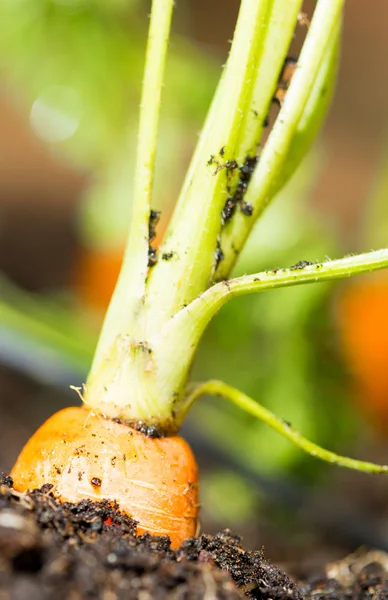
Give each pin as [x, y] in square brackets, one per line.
[90, 550]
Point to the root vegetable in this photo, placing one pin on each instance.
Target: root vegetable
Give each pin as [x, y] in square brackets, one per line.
[154, 480]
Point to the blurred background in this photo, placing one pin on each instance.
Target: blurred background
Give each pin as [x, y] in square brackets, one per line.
[70, 77]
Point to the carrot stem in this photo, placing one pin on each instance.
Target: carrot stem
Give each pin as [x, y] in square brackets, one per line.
[323, 29]
[124, 307]
[207, 305]
[219, 388]
[281, 28]
[192, 320]
[318, 55]
[155, 322]
[196, 223]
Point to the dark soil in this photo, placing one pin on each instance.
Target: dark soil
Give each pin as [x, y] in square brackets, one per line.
[89, 550]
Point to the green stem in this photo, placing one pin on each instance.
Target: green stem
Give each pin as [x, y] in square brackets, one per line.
[218, 388]
[203, 308]
[124, 307]
[281, 28]
[149, 339]
[318, 55]
[191, 321]
[322, 31]
[192, 233]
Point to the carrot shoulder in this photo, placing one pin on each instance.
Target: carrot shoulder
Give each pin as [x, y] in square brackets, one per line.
[154, 480]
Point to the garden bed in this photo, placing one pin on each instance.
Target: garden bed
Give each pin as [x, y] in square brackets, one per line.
[89, 550]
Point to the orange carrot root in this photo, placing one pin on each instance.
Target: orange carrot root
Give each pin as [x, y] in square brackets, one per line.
[85, 455]
[363, 328]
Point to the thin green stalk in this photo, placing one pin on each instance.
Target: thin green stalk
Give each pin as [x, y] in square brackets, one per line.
[314, 113]
[123, 310]
[304, 272]
[191, 321]
[215, 297]
[192, 233]
[281, 28]
[304, 108]
[218, 388]
[323, 29]
[184, 331]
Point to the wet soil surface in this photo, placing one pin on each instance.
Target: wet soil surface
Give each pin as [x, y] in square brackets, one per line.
[89, 550]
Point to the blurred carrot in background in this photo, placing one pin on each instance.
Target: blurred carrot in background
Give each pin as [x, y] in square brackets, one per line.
[362, 313]
[95, 276]
[363, 325]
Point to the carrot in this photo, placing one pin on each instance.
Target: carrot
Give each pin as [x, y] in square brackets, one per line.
[363, 328]
[83, 455]
[163, 301]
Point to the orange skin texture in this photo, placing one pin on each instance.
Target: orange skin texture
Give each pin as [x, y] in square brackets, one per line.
[363, 324]
[85, 455]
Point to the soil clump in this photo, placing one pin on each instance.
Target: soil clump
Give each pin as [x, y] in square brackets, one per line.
[90, 550]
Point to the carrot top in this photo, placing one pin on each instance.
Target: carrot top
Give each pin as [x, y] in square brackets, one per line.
[165, 298]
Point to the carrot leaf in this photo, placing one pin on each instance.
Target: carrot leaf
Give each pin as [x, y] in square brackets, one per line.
[219, 388]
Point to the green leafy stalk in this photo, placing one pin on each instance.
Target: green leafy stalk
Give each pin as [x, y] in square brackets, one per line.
[280, 30]
[300, 273]
[192, 233]
[154, 325]
[155, 320]
[218, 388]
[124, 307]
[299, 120]
[320, 44]
[191, 321]
[314, 113]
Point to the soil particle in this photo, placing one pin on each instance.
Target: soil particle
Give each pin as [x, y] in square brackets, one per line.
[151, 431]
[237, 199]
[252, 573]
[218, 254]
[246, 208]
[168, 255]
[90, 550]
[152, 223]
[301, 265]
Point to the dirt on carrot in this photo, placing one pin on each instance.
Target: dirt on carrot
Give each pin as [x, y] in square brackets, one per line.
[90, 550]
[83, 455]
